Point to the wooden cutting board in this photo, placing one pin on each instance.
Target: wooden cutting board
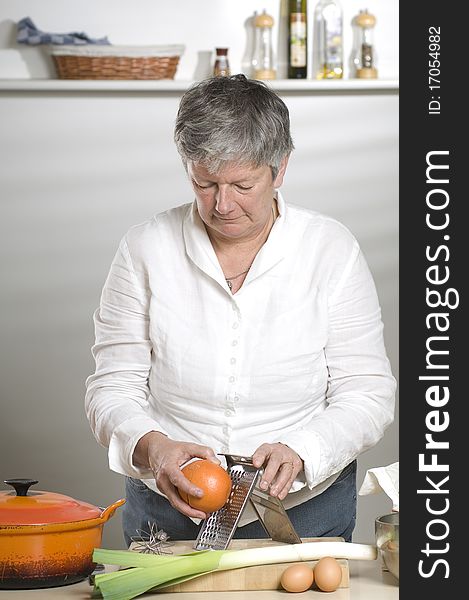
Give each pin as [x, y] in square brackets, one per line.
[262, 577]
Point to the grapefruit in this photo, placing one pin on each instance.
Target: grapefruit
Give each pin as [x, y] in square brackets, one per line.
[212, 479]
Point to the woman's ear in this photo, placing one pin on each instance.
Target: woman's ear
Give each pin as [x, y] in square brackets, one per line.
[281, 171]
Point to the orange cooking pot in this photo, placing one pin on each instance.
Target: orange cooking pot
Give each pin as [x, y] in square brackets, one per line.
[47, 539]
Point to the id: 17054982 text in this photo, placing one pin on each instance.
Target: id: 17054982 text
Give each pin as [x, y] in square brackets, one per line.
[434, 47]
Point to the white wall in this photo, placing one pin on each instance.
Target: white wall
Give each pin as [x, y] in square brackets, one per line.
[76, 170]
[201, 25]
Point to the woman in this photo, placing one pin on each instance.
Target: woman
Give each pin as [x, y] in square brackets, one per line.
[239, 324]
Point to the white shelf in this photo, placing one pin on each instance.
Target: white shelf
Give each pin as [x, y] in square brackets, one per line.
[339, 86]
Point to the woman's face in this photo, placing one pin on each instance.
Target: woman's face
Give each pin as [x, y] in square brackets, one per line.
[235, 203]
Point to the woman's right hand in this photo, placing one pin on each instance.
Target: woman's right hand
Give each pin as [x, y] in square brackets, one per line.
[165, 457]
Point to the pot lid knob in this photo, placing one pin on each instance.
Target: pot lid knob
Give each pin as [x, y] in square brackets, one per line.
[21, 485]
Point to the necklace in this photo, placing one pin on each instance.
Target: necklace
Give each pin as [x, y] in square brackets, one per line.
[229, 280]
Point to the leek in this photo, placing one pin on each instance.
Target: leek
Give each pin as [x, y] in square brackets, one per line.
[144, 572]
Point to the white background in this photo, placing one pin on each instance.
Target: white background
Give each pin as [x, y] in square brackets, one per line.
[201, 25]
[78, 169]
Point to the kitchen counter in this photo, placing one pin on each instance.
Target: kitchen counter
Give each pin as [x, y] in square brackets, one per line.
[367, 582]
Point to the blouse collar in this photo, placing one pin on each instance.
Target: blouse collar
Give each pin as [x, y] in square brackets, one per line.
[200, 250]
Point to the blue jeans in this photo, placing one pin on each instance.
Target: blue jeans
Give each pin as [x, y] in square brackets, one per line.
[330, 514]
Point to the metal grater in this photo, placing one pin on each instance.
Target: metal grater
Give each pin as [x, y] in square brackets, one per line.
[219, 527]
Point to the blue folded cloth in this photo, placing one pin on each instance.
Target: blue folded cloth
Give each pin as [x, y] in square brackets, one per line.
[28, 33]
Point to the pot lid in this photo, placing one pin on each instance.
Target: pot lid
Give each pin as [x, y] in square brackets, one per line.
[23, 507]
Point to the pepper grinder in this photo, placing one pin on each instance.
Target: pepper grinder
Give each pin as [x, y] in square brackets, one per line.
[364, 57]
[222, 65]
[263, 62]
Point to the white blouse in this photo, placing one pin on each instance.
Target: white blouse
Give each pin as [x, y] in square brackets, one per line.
[295, 356]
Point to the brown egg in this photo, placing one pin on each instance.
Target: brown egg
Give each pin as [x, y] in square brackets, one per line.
[297, 578]
[327, 574]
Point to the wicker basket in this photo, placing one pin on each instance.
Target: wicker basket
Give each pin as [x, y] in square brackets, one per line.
[116, 62]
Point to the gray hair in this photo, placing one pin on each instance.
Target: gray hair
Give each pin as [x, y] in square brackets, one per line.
[232, 119]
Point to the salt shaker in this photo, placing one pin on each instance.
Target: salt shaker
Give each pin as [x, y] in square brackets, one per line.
[364, 57]
[263, 61]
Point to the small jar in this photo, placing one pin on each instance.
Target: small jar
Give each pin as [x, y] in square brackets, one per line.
[222, 64]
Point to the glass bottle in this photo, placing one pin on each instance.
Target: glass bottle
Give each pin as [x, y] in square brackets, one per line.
[297, 40]
[263, 62]
[222, 64]
[364, 56]
[327, 40]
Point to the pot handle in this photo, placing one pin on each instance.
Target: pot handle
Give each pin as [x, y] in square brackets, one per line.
[110, 510]
[21, 485]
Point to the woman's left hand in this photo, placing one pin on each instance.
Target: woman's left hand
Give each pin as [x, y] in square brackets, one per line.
[281, 466]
